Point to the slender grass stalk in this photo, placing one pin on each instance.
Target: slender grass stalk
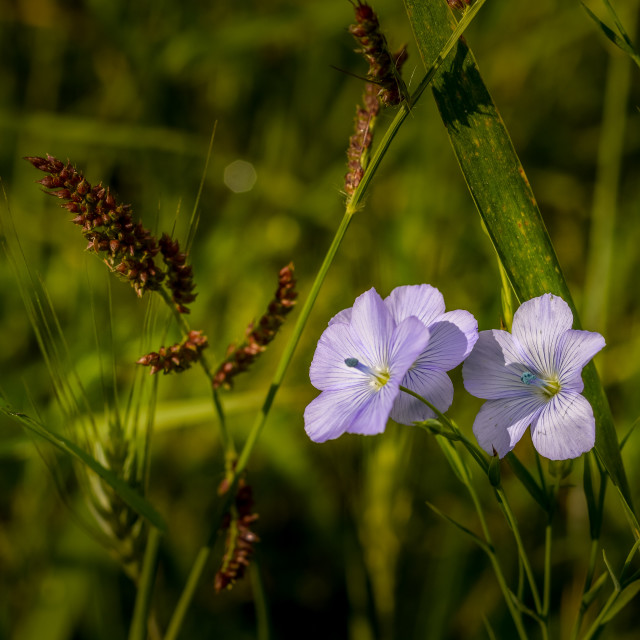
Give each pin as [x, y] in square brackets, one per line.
[260, 601]
[285, 359]
[195, 212]
[405, 107]
[138, 628]
[175, 624]
[259, 423]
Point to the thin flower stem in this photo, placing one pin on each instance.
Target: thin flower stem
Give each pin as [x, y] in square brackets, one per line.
[503, 499]
[548, 540]
[138, 628]
[513, 523]
[546, 590]
[593, 555]
[488, 548]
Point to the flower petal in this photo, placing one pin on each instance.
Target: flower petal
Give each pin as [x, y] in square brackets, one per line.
[575, 349]
[453, 336]
[342, 316]
[538, 325]
[372, 416]
[494, 367]
[421, 300]
[565, 428]
[434, 386]
[408, 341]
[330, 414]
[371, 325]
[328, 369]
[500, 424]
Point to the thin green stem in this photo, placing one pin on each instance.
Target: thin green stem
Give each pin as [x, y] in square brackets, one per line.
[138, 628]
[199, 566]
[546, 590]
[260, 601]
[513, 523]
[452, 454]
[593, 555]
[175, 624]
[285, 359]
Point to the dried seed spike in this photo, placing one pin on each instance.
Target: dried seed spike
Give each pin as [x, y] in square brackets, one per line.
[94, 209]
[177, 357]
[240, 539]
[259, 335]
[384, 68]
[179, 275]
[361, 140]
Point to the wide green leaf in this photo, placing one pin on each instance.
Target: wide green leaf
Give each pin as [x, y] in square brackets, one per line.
[502, 194]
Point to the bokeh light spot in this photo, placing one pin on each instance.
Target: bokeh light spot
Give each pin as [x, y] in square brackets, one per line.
[240, 176]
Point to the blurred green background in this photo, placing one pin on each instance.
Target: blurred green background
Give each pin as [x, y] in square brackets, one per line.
[130, 92]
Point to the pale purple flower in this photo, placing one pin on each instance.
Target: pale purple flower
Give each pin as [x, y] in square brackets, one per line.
[359, 365]
[453, 335]
[533, 376]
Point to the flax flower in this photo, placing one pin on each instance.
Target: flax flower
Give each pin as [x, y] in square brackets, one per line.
[452, 336]
[358, 365]
[533, 376]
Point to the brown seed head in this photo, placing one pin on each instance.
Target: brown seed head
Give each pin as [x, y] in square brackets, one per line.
[240, 539]
[384, 68]
[177, 357]
[107, 226]
[259, 335]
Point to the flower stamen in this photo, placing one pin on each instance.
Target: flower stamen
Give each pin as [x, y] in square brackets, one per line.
[550, 387]
[379, 377]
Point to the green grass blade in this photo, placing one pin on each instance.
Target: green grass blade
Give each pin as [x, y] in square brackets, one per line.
[609, 33]
[127, 493]
[501, 192]
[622, 41]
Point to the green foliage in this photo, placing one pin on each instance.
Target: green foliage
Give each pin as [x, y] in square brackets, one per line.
[130, 92]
